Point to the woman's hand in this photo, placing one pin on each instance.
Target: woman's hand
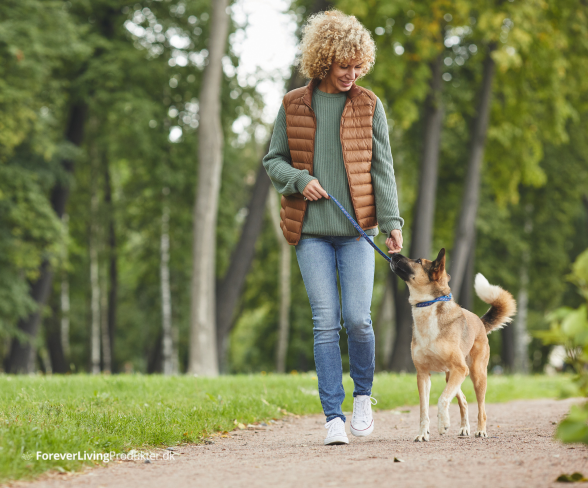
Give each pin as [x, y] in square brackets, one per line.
[314, 191]
[394, 242]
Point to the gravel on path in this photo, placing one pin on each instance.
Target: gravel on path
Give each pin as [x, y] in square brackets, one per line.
[520, 452]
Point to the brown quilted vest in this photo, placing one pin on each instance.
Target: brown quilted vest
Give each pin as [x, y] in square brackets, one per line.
[356, 142]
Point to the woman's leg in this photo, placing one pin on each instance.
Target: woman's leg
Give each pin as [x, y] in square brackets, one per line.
[316, 258]
[356, 263]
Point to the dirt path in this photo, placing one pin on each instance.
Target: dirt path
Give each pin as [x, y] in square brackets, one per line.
[519, 453]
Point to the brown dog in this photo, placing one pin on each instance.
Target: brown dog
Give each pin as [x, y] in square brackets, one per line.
[449, 338]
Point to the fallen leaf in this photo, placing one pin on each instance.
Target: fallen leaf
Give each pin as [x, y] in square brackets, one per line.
[571, 478]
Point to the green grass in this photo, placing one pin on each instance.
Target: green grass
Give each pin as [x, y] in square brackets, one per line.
[61, 414]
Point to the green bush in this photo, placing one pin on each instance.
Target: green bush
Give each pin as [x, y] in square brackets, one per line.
[569, 327]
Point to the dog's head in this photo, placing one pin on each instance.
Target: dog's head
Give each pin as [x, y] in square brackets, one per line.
[422, 276]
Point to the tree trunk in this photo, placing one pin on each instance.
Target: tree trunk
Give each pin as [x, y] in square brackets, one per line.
[401, 360]
[106, 353]
[64, 298]
[424, 212]
[508, 348]
[52, 328]
[112, 287]
[166, 316]
[385, 325]
[94, 275]
[154, 359]
[285, 293]
[469, 207]
[21, 356]
[230, 286]
[466, 295]
[521, 336]
[203, 348]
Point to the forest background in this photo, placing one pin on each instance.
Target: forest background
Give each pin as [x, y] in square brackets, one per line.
[101, 169]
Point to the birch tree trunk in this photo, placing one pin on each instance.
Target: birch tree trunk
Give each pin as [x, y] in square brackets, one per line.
[64, 298]
[203, 347]
[166, 317]
[521, 336]
[106, 355]
[469, 208]
[94, 282]
[520, 333]
[111, 286]
[285, 291]
[424, 213]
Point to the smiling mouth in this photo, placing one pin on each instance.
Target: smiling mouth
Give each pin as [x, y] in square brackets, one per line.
[346, 83]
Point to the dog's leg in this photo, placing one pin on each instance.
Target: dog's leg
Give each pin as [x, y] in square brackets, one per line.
[454, 380]
[424, 385]
[480, 357]
[463, 410]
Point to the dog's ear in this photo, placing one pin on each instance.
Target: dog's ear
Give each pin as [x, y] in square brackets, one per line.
[438, 266]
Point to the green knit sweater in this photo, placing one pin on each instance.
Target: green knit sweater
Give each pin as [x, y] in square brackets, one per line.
[323, 218]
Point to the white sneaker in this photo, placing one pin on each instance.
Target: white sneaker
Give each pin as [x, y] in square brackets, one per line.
[336, 433]
[362, 422]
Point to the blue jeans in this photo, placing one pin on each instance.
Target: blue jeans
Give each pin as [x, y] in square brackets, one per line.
[319, 259]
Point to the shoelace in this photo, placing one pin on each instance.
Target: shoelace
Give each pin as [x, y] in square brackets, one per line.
[366, 407]
[335, 427]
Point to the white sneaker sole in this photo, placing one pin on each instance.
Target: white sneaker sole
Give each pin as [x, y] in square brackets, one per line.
[335, 440]
[363, 433]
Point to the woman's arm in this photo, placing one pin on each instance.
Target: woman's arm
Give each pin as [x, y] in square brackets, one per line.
[382, 171]
[285, 178]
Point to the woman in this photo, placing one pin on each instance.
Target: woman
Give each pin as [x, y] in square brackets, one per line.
[332, 136]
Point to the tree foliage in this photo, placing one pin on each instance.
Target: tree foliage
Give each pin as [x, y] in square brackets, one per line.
[138, 69]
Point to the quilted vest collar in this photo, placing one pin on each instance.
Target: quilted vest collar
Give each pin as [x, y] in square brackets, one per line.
[353, 92]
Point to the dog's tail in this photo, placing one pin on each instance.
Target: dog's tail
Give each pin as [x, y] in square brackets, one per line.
[503, 305]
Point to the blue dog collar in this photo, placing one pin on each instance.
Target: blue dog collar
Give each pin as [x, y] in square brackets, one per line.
[445, 298]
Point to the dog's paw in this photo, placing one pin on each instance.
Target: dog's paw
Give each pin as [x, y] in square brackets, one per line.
[443, 423]
[464, 431]
[422, 438]
[481, 433]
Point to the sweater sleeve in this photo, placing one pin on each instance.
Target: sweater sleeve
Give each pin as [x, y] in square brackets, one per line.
[278, 164]
[382, 172]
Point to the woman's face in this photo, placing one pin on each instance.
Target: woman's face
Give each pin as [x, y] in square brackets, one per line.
[342, 75]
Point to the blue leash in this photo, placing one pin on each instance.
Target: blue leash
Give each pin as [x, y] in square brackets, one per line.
[358, 228]
[445, 298]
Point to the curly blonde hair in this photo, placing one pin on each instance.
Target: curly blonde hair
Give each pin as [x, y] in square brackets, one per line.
[331, 37]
